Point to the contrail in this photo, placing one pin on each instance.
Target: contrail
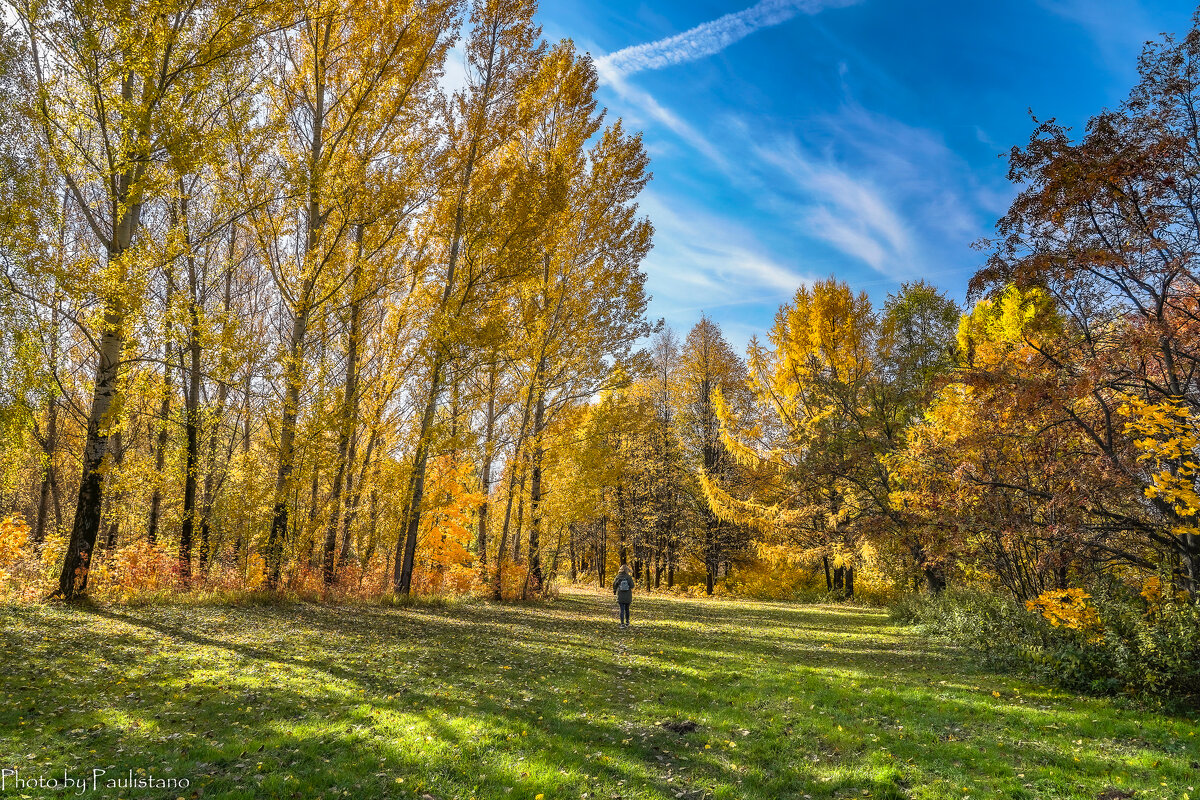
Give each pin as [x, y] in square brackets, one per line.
[707, 38]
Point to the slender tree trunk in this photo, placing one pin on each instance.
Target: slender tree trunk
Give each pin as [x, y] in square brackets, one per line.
[350, 492]
[670, 561]
[222, 398]
[209, 488]
[164, 414]
[556, 558]
[498, 580]
[407, 550]
[192, 403]
[710, 566]
[516, 538]
[287, 445]
[372, 528]
[349, 411]
[246, 394]
[117, 457]
[73, 577]
[243, 517]
[49, 488]
[535, 493]
[50, 473]
[311, 528]
[602, 550]
[485, 472]
[294, 360]
[356, 496]
[571, 549]
[519, 446]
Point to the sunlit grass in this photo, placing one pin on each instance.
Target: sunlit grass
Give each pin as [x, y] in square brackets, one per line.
[483, 701]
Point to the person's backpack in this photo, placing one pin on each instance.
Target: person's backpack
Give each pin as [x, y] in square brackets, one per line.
[626, 584]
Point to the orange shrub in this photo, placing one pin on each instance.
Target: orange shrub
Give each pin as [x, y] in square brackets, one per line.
[135, 569]
[14, 540]
[512, 579]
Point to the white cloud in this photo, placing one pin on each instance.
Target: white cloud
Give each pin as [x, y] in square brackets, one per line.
[454, 77]
[707, 38]
[644, 103]
[1118, 30]
[701, 41]
[880, 192]
[703, 262]
[886, 194]
[847, 212]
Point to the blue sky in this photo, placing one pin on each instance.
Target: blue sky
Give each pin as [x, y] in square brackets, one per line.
[794, 139]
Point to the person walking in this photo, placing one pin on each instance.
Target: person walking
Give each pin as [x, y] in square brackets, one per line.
[623, 589]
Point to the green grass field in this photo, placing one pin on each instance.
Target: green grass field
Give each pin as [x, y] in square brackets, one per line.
[552, 701]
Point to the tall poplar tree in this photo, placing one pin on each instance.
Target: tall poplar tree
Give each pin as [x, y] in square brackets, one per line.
[114, 92]
[353, 76]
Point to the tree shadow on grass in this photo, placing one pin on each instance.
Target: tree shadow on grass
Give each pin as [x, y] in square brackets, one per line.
[545, 700]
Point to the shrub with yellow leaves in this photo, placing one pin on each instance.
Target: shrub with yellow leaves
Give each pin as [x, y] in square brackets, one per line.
[445, 563]
[14, 536]
[1156, 593]
[1067, 608]
[256, 567]
[1167, 439]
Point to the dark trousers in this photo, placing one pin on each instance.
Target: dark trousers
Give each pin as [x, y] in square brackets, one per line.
[624, 613]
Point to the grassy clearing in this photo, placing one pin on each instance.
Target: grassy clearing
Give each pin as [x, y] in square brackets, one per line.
[305, 701]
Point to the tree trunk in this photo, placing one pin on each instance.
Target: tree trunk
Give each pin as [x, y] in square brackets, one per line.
[406, 549]
[670, 562]
[485, 472]
[710, 548]
[164, 413]
[242, 524]
[72, 579]
[498, 581]
[356, 497]
[287, 447]
[192, 402]
[518, 447]
[571, 552]
[116, 457]
[49, 488]
[209, 486]
[602, 551]
[1191, 565]
[402, 575]
[126, 205]
[516, 554]
[294, 360]
[347, 421]
[372, 529]
[222, 398]
[49, 475]
[313, 506]
[935, 579]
